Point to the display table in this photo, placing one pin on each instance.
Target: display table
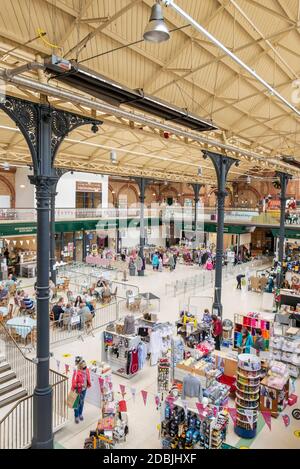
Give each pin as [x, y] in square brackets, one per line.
[22, 325]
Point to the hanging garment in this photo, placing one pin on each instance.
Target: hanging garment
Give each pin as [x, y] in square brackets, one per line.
[134, 365]
[191, 387]
[129, 327]
[155, 346]
[142, 355]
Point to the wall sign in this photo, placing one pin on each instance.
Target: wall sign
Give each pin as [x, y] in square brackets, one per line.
[82, 186]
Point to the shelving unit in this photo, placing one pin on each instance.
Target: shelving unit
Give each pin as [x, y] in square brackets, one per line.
[286, 349]
[252, 323]
[247, 395]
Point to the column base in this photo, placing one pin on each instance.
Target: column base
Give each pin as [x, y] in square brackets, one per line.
[42, 444]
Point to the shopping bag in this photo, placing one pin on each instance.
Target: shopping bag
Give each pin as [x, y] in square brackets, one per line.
[76, 403]
[71, 399]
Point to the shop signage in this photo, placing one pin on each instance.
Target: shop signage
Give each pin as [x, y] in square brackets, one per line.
[82, 186]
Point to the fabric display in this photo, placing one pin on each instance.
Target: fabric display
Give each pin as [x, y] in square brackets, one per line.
[252, 322]
[287, 350]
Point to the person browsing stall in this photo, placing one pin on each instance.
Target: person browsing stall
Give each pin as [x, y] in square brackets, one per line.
[217, 331]
[245, 341]
[81, 381]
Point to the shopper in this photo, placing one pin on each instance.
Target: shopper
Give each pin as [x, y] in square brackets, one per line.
[171, 262]
[207, 322]
[217, 331]
[155, 261]
[239, 281]
[57, 310]
[259, 344]
[81, 381]
[245, 341]
[160, 264]
[85, 314]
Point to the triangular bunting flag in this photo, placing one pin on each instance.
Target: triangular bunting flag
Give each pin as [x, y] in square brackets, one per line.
[57, 364]
[266, 414]
[144, 395]
[232, 413]
[170, 400]
[286, 420]
[199, 408]
[122, 389]
[67, 368]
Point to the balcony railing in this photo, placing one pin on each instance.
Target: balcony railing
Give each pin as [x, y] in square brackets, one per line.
[237, 214]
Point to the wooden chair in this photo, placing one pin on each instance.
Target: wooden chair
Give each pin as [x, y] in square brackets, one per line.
[10, 312]
[114, 294]
[12, 290]
[4, 301]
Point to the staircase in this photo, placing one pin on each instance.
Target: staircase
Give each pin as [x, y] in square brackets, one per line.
[17, 382]
[11, 388]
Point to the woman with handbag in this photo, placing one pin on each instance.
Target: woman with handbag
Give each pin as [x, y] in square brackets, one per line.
[80, 382]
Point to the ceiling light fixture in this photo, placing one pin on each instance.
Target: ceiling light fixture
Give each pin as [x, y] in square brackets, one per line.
[156, 30]
[113, 157]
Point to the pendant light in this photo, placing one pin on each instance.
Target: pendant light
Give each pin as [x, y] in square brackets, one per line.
[156, 31]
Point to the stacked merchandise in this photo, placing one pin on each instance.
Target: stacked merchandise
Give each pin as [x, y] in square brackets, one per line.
[252, 322]
[247, 395]
[274, 390]
[163, 375]
[217, 393]
[186, 429]
[287, 349]
[112, 427]
[177, 352]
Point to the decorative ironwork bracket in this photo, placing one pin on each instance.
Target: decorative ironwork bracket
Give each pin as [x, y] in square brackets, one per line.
[27, 116]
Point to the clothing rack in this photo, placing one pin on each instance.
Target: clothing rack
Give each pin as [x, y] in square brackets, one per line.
[119, 362]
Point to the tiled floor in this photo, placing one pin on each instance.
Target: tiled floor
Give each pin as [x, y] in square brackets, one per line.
[143, 419]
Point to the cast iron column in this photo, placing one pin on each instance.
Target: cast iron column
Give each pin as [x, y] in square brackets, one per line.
[222, 164]
[142, 186]
[42, 396]
[196, 187]
[52, 234]
[284, 179]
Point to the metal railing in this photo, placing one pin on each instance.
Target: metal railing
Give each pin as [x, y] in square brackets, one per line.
[241, 214]
[73, 328]
[206, 278]
[23, 367]
[16, 427]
